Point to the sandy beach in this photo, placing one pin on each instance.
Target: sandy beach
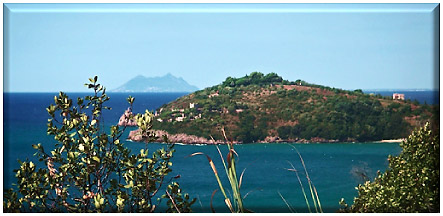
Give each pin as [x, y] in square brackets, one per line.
[392, 140]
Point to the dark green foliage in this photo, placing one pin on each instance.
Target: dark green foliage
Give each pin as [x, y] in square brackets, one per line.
[247, 131]
[255, 78]
[340, 118]
[290, 132]
[91, 171]
[412, 182]
[358, 91]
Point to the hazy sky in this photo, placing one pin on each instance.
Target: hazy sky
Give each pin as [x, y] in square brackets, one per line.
[57, 47]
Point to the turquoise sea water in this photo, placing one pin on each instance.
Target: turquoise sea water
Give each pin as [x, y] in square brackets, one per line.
[335, 169]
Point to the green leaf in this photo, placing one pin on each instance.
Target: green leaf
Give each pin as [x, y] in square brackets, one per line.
[130, 185]
[70, 155]
[81, 147]
[120, 202]
[31, 165]
[95, 158]
[98, 201]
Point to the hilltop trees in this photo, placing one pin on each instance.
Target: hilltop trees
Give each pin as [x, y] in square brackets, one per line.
[255, 78]
[91, 171]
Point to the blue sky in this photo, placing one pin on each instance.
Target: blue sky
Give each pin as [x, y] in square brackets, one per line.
[57, 47]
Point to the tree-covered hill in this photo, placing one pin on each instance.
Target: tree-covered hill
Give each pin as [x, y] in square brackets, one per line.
[260, 107]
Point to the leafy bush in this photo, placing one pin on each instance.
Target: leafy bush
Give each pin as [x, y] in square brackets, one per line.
[91, 171]
[411, 184]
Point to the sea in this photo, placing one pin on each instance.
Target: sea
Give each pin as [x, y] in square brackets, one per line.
[268, 185]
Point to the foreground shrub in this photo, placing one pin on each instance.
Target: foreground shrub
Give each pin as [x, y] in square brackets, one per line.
[91, 171]
[411, 184]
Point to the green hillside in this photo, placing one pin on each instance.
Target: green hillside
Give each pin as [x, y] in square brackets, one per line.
[261, 107]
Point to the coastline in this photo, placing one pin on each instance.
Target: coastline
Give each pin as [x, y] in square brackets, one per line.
[185, 139]
[392, 140]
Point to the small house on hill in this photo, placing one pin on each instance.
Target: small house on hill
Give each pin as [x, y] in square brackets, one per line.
[193, 105]
[397, 96]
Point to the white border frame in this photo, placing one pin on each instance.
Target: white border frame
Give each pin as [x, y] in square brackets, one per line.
[193, 1]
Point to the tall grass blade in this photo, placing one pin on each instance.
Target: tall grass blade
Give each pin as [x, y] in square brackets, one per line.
[318, 200]
[315, 201]
[309, 182]
[244, 197]
[228, 203]
[173, 202]
[287, 204]
[199, 201]
[211, 163]
[241, 178]
[223, 160]
[212, 197]
[231, 173]
[301, 186]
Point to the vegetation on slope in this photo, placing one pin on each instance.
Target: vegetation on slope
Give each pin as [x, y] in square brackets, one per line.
[412, 182]
[260, 107]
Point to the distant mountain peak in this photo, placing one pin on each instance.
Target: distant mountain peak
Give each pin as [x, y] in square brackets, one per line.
[139, 77]
[166, 83]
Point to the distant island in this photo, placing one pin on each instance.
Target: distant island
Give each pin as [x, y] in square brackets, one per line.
[167, 83]
[267, 108]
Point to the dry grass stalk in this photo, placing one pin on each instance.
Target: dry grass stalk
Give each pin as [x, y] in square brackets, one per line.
[315, 198]
[212, 197]
[301, 185]
[287, 204]
[173, 202]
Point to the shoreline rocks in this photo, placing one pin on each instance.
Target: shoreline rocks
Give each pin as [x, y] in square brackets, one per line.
[174, 138]
[192, 139]
[125, 119]
[276, 139]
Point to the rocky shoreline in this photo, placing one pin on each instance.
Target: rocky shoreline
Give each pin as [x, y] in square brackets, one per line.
[192, 139]
[126, 119]
[174, 138]
[270, 139]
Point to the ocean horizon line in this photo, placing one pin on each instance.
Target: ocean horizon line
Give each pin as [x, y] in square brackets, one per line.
[364, 90]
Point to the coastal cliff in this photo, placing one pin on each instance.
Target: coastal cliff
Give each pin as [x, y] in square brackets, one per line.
[126, 120]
